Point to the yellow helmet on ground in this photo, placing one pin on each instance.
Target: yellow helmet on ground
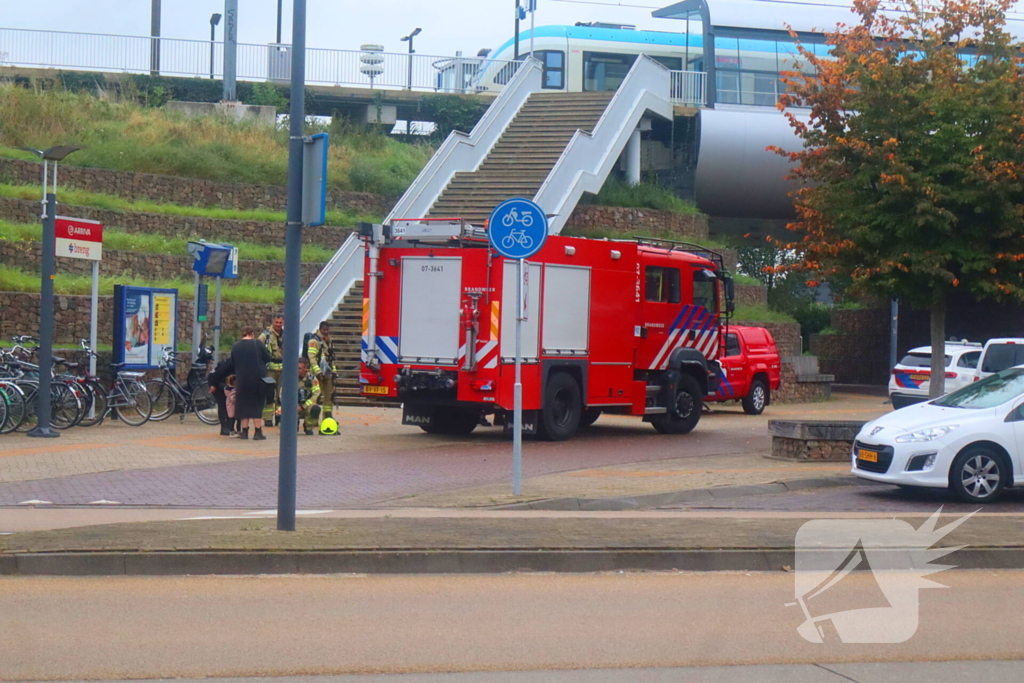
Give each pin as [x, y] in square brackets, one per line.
[329, 426]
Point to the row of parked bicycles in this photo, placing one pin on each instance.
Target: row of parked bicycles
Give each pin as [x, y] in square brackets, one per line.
[80, 399]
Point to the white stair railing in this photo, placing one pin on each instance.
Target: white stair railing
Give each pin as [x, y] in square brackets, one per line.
[462, 153]
[590, 157]
[322, 297]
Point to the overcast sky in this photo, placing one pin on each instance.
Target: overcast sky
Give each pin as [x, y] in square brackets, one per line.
[448, 25]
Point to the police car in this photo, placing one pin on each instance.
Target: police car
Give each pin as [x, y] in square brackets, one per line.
[909, 383]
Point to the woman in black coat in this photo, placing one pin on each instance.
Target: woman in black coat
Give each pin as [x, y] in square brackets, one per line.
[249, 358]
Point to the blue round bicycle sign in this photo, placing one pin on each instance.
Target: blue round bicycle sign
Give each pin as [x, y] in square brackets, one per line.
[517, 228]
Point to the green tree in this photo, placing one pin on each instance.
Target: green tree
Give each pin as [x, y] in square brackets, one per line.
[912, 159]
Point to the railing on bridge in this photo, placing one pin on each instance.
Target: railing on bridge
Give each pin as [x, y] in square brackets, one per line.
[205, 59]
[689, 88]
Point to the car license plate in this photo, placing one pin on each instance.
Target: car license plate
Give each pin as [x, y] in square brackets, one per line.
[867, 456]
[918, 377]
[375, 390]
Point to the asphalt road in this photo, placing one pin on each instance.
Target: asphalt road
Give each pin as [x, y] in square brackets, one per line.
[117, 628]
[917, 672]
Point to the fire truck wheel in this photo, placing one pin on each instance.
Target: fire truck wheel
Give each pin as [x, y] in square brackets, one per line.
[563, 407]
[682, 417]
[453, 422]
[590, 416]
[755, 401]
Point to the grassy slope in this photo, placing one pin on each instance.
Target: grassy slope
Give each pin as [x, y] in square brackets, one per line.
[650, 195]
[158, 244]
[125, 136]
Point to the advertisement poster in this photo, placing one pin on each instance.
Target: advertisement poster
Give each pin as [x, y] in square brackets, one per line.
[144, 325]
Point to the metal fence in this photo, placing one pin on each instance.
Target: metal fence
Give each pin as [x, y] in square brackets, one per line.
[201, 58]
[689, 88]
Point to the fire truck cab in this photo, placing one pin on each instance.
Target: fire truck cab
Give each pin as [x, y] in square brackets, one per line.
[627, 327]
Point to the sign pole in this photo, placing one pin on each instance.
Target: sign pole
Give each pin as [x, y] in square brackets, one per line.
[533, 21]
[287, 455]
[196, 325]
[94, 314]
[216, 325]
[517, 391]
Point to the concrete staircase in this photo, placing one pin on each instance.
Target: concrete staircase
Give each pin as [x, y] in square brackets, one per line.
[524, 156]
[347, 332]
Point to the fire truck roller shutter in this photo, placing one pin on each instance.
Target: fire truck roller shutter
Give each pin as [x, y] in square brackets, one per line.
[531, 326]
[429, 328]
[566, 326]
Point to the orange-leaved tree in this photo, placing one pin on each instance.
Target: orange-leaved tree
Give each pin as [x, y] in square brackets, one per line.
[911, 171]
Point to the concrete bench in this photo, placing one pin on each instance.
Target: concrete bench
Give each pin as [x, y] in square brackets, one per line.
[813, 440]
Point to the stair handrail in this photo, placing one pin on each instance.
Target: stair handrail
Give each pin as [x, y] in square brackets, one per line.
[464, 152]
[588, 158]
[321, 298]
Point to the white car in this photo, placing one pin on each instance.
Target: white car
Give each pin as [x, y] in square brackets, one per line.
[910, 379]
[970, 441]
[998, 355]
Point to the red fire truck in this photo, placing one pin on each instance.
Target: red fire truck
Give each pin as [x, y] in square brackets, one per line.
[628, 327]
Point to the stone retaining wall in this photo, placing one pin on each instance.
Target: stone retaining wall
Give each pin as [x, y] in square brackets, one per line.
[187, 191]
[589, 219]
[787, 335]
[751, 295]
[144, 266]
[257, 232]
[19, 314]
[797, 388]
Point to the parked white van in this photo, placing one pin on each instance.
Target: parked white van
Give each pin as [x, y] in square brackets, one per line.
[998, 355]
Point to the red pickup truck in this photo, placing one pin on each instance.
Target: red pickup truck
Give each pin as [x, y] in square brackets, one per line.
[751, 369]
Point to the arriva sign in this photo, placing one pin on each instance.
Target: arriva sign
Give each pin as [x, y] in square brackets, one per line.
[79, 238]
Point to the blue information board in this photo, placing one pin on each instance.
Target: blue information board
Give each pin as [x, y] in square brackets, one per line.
[145, 325]
[517, 228]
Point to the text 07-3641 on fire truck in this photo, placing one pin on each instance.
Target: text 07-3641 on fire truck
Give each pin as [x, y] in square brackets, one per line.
[626, 327]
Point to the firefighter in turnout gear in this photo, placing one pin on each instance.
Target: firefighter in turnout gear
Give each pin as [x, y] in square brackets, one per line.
[320, 353]
[273, 339]
[309, 396]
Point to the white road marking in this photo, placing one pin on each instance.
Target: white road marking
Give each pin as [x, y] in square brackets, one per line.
[36, 502]
[105, 502]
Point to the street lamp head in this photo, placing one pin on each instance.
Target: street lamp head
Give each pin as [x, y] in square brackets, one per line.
[412, 35]
[56, 153]
[214, 19]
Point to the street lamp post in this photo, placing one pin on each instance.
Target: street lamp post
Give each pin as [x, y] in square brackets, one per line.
[408, 39]
[279, 2]
[49, 267]
[214, 20]
[154, 32]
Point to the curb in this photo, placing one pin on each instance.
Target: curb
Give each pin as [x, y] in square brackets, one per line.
[446, 561]
[679, 497]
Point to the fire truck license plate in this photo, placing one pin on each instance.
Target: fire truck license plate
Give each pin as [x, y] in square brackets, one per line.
[375, 390]
[867, 456]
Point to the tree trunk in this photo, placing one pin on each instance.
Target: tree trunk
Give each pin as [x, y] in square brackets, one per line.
[937, 382]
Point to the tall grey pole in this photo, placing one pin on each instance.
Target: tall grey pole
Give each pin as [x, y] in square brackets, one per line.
[533, 20]
[196, 325]
[894, 323]
[43, 408]
[409, 85]
[216, 325]
[515, 48]
[279, 21]
[292, 265]
[154, 31]
[230, 50]
[94, 314]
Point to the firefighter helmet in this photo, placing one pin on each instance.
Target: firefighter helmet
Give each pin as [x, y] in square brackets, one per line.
[329, 426]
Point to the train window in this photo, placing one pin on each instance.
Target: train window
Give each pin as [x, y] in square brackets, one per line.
[673, 63]
[605, 70]
[554, 68]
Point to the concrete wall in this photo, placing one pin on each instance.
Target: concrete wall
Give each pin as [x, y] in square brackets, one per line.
[238, 111]
[589, 219]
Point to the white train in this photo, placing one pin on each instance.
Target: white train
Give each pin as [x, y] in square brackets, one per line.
[578, 58]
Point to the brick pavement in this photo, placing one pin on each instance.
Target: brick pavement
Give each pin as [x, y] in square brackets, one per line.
[378, 461]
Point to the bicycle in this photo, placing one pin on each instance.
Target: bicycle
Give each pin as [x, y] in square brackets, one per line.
[126, 396]
[515, 237]
[168, 395]
[21, 387]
